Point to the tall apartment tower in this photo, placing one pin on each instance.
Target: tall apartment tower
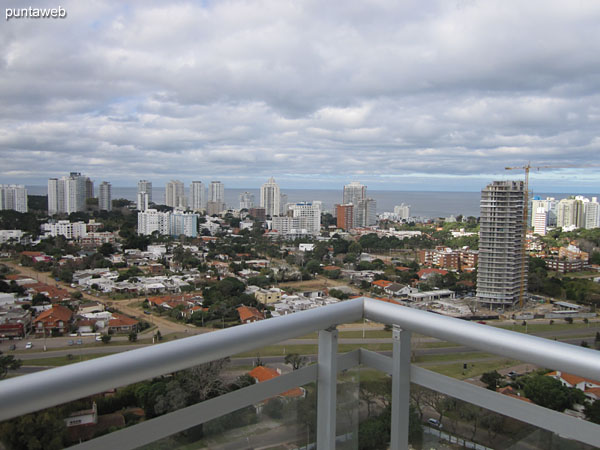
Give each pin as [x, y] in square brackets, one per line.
[592, 214]
[569, 212]
[270, 197]
[216, 198]
[67, 194]
[89, 188]
[175, 194]
[197, 196]
[13, 196]
[354, 193]
[105, 196]
[144, 195]
[345, 216]
[145, 186]
[501, 267]
[246, 200]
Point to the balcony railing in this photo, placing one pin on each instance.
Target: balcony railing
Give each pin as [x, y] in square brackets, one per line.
[29, 393]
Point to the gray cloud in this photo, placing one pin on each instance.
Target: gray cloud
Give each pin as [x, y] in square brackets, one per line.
[417, 96]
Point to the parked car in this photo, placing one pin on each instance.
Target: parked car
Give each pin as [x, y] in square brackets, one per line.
[12, 347]
[28, 345]
[435, 423]
[512, 374]
[70, 342]
[147, 312]
[99, 338]
[79, 342]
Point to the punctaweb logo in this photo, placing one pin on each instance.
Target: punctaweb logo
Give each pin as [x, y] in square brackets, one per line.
[35, 13]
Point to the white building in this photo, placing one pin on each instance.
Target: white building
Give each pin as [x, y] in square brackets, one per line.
[197, 196]
[143, 199]
[246, 200]
[70, 230]
[167, 223]
[152, 220]
[540, 220]
[7, 235]
[570, 213]
[365, 213]
[105, 196]
[144, 188]
[13, 196]
[549, 204]
[310, 214]
[592, 214]
[175, 194]
[67, 194]
[270, 197]
[402, 211]
[354, 192]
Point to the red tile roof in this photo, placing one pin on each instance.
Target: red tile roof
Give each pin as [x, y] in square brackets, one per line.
[55, 314]
[262, 373]
[422, 272]
[248, 312]
[381, 283]
[120, 320]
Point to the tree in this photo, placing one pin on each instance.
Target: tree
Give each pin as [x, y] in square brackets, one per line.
[295, 360]
[105, 338]
[42, 430]
[106, 249]
[549, 392]
[491, 379]
[8, 362]
[592, 411]
[133, 336]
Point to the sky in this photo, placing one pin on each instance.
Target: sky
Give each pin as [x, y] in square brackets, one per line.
[410, 95]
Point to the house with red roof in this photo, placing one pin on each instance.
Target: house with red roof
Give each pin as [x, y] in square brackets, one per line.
[591, 388]
[121, 323]
[381, 283]
[249, 314]
[54, 320]
[262, 374]
[426, 273]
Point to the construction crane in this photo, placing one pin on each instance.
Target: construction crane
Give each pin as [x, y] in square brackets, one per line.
[526, 217]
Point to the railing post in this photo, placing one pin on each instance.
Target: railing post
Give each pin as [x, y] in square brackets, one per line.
[400, 388]
[326, 388]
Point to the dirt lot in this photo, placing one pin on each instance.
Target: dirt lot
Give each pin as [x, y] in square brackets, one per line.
[318, 283]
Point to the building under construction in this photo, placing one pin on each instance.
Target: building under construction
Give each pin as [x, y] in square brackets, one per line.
[502, 269]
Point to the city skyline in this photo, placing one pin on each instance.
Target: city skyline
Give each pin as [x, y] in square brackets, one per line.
[401, 96]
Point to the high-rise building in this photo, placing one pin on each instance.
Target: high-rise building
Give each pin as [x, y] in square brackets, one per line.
[592, 213]
[354, 193]
[540, 220]
[89, 188]
[402, 211]
[143, 201]
[13, 196]
[145, 186]
[67, 194]
[549, 205]
[283, 203]
[502, 266]
[365, 213]
[246, 200]
[345, 216]
[216, 198]
[310, 214]
[270, 197]
[105, 196]
[167, 223]
[197, 196]
[175, 194]
[569, 213]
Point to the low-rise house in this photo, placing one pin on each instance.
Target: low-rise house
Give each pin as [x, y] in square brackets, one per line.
[122, 324]
[54, 320]
[399, 290]
[382, 284]
[249, 314]
[268, 296]
[591, 388]
[262, 374]
[90, 307]
[14, 323]
[424, 274]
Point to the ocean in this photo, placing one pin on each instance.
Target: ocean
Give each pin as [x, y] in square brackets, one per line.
[422, 203]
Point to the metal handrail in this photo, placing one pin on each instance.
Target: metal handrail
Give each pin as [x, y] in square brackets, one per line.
[40, 390]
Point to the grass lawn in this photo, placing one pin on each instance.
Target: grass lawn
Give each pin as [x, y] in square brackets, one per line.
[57, 361]
[453, 357]
[473, 369]
[308, 349]
[541, 327]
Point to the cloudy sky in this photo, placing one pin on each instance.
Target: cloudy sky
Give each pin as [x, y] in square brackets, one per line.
[409, 95]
